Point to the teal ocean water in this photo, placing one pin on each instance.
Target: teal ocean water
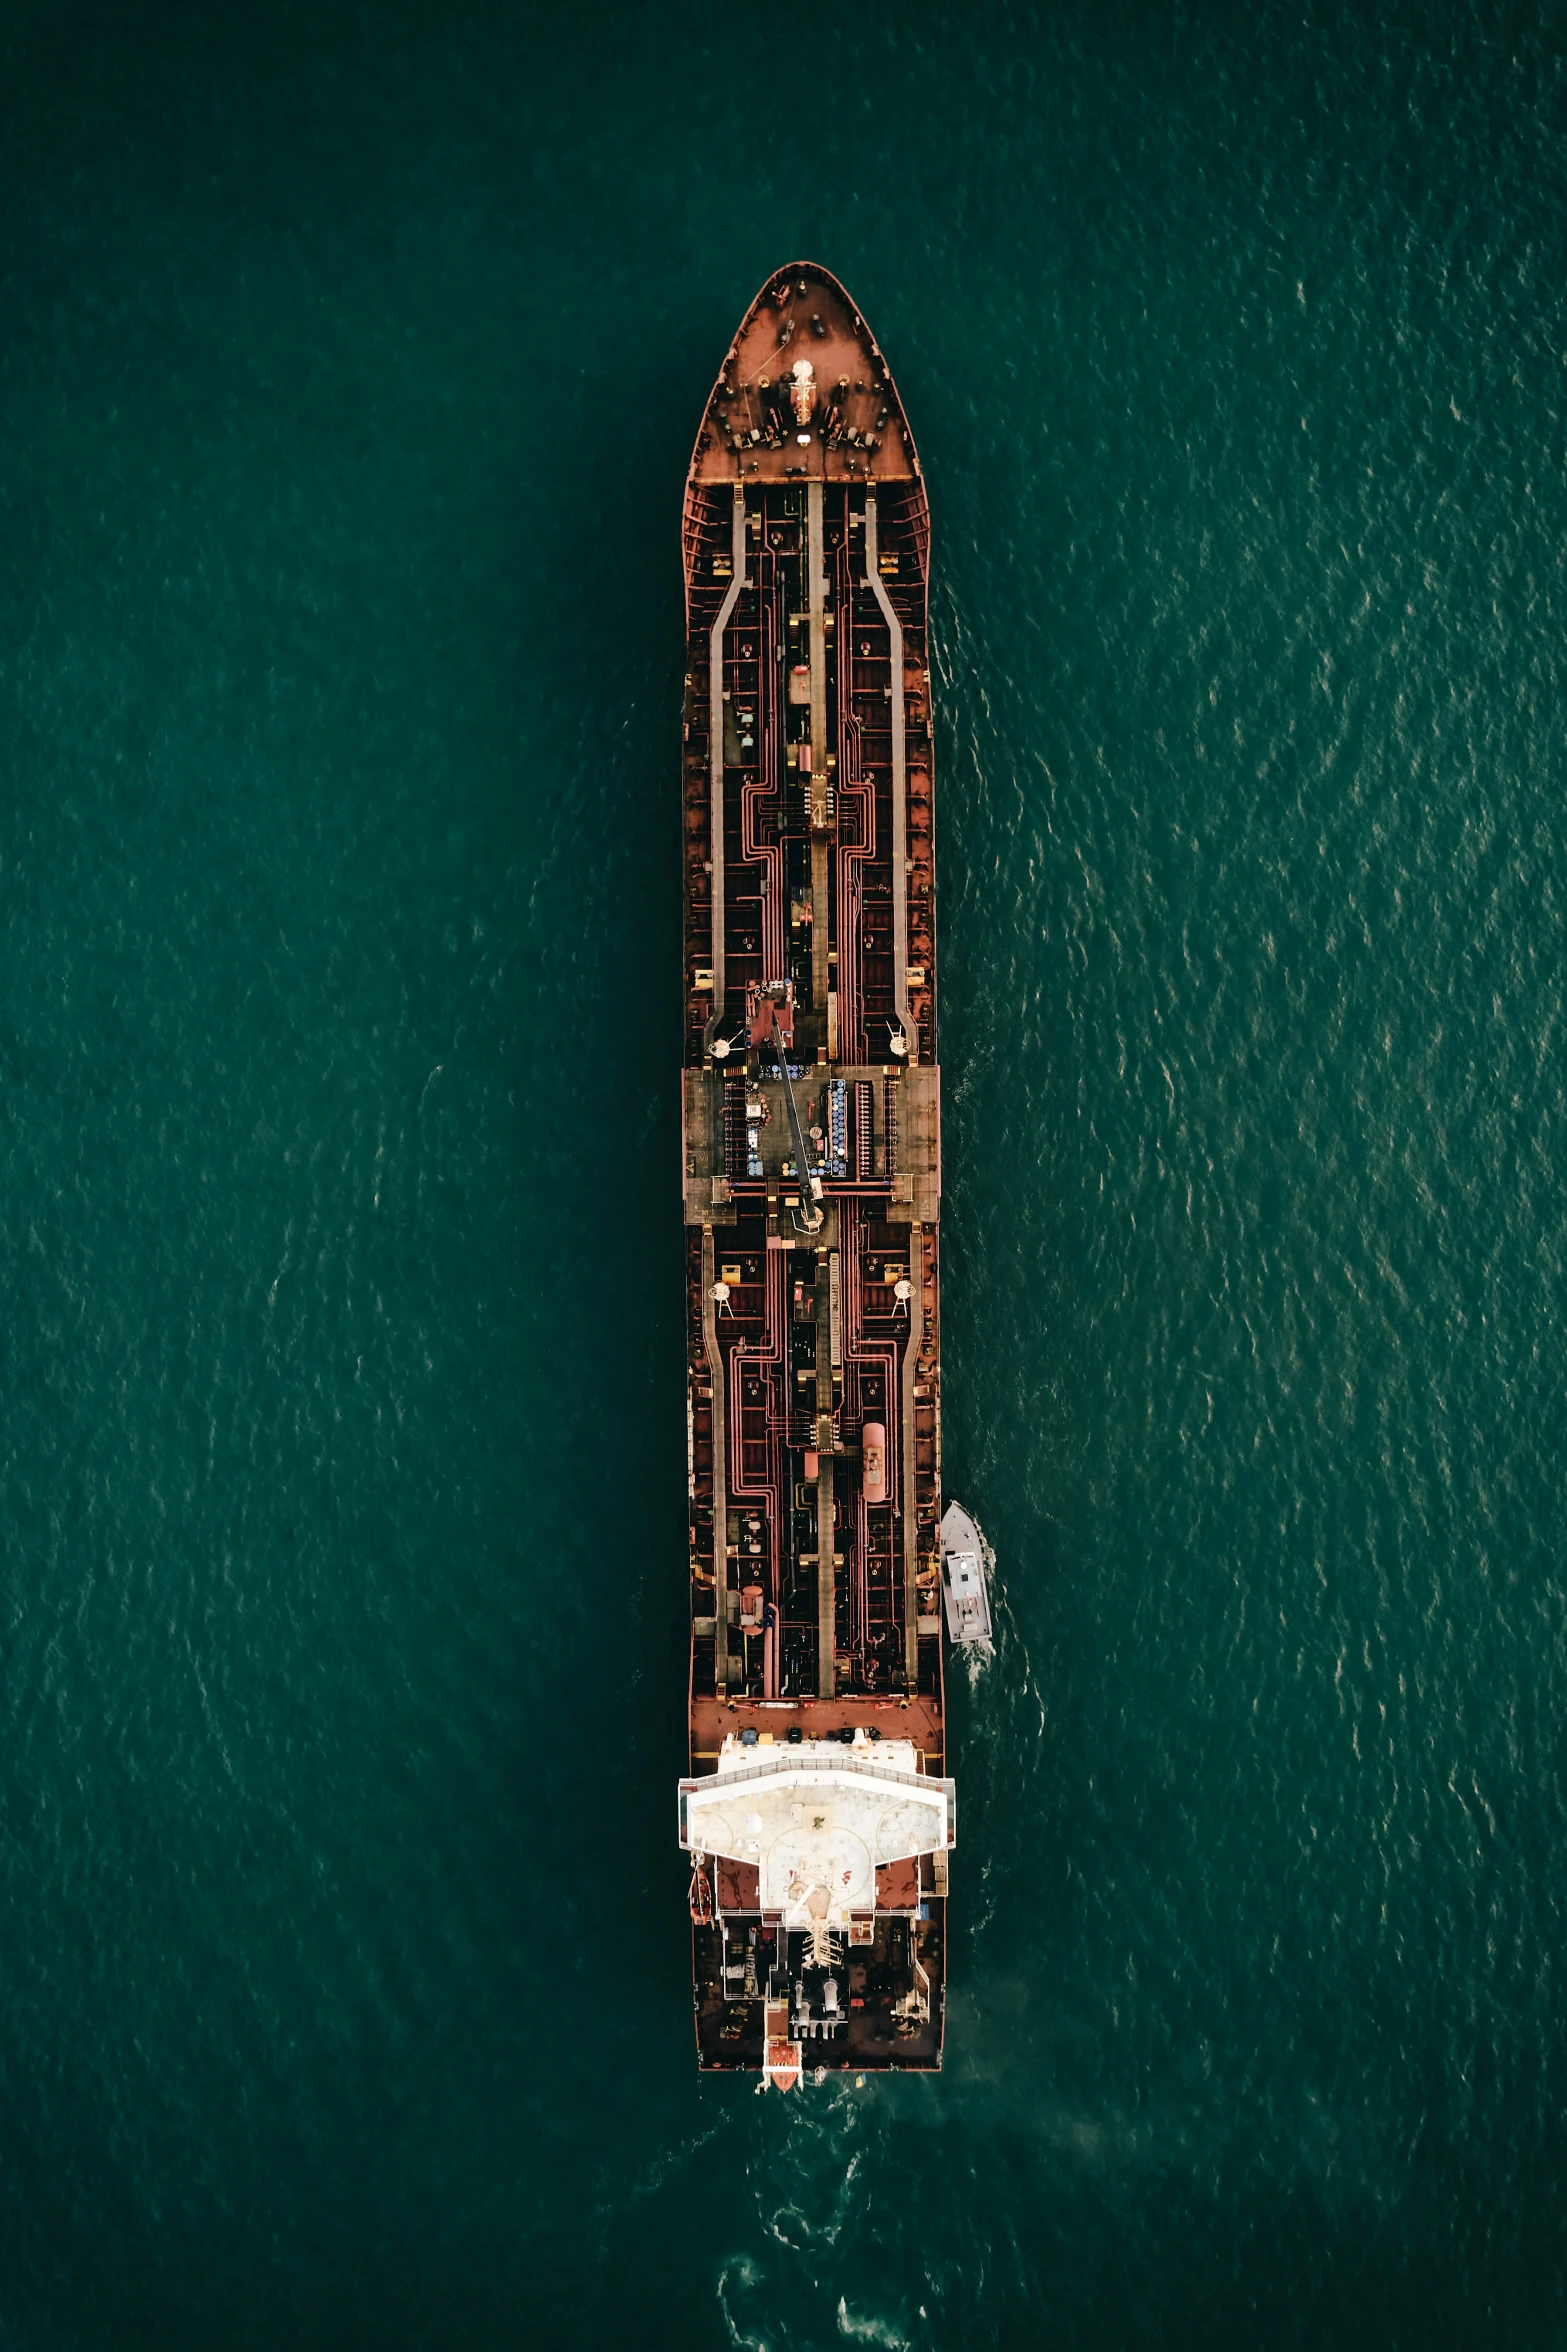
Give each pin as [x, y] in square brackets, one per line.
[349, 364]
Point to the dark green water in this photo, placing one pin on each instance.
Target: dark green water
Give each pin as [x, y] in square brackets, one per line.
[349, 363]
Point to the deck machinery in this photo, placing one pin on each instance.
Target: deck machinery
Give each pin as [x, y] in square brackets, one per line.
[816, 1813]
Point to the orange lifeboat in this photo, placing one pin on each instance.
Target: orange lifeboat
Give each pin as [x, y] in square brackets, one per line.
[781, 2056]
[782, 2065]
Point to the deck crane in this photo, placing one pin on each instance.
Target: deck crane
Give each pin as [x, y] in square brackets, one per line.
[769, 1006]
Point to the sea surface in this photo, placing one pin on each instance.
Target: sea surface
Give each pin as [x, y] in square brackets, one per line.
[350, 359]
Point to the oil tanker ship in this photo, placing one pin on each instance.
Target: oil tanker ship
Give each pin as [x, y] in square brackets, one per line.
[816, 1811]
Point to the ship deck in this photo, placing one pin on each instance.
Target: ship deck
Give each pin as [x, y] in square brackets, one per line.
[812, 1154]
[917, 1719]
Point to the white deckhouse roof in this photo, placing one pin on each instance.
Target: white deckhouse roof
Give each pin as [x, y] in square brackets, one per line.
[816, 1819]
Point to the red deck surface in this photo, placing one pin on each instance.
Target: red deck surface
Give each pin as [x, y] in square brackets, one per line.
[714, 1720]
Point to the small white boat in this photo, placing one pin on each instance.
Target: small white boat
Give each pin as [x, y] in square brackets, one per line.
[963, 1579]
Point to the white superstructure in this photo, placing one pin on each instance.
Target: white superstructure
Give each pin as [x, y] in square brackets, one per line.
[817, 1820]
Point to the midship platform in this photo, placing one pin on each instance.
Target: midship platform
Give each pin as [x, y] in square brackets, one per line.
[817, 1812]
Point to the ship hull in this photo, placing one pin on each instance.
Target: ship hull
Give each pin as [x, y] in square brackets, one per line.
[812, 1184]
